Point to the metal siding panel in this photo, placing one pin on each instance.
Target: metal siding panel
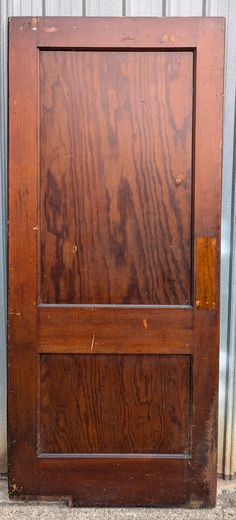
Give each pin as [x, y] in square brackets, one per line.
[144, 8]
[184, 8]
[215, 7]
[104, 8]
[229, 467]
[63, 8]
[77, 8]
[52, 8]
[25, 8]
[14, 8]
[37, 7]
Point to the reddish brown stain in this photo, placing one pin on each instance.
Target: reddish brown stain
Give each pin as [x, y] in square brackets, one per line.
[205, 288]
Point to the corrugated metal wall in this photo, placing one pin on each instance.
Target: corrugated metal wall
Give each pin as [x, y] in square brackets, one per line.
[226, 8]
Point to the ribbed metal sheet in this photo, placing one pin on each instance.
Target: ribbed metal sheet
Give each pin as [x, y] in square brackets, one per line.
[227, 8]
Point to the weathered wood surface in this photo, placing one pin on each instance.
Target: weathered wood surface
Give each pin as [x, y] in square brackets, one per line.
[120, 258]
[116, 176]
[114, 404]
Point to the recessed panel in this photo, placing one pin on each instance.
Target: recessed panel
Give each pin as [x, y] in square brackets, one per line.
[115, 176]
[101, 403]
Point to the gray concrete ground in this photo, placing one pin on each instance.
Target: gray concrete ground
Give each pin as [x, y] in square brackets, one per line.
[225, 510]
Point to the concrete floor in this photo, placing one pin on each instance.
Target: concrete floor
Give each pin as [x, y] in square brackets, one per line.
[225, 510]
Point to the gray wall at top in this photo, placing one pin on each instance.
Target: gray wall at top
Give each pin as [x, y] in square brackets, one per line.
[226, 8]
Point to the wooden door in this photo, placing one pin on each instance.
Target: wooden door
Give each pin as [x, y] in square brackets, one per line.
[114, 228]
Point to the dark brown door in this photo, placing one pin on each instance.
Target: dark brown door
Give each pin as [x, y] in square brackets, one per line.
[115, 166]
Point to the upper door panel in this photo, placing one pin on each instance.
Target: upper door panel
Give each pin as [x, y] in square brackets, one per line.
[116, 176]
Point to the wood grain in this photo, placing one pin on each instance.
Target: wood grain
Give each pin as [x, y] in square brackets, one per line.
[116, 139]
[62, 330]
[114, 403]
[167, 331]
[205, 287]
[117, 480]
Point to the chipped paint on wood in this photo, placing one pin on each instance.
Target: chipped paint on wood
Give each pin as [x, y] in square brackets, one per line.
[34, 22]
[167, 38]
[205, 278]
[92, 343]
[145, 324]
[195, 502]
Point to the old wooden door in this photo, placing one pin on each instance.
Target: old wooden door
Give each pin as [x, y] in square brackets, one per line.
[115, 167]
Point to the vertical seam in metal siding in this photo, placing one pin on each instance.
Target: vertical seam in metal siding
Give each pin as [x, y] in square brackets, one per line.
[123, 7]
[230, 394]
[164, 8]
[43, 7]
[203, 7]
